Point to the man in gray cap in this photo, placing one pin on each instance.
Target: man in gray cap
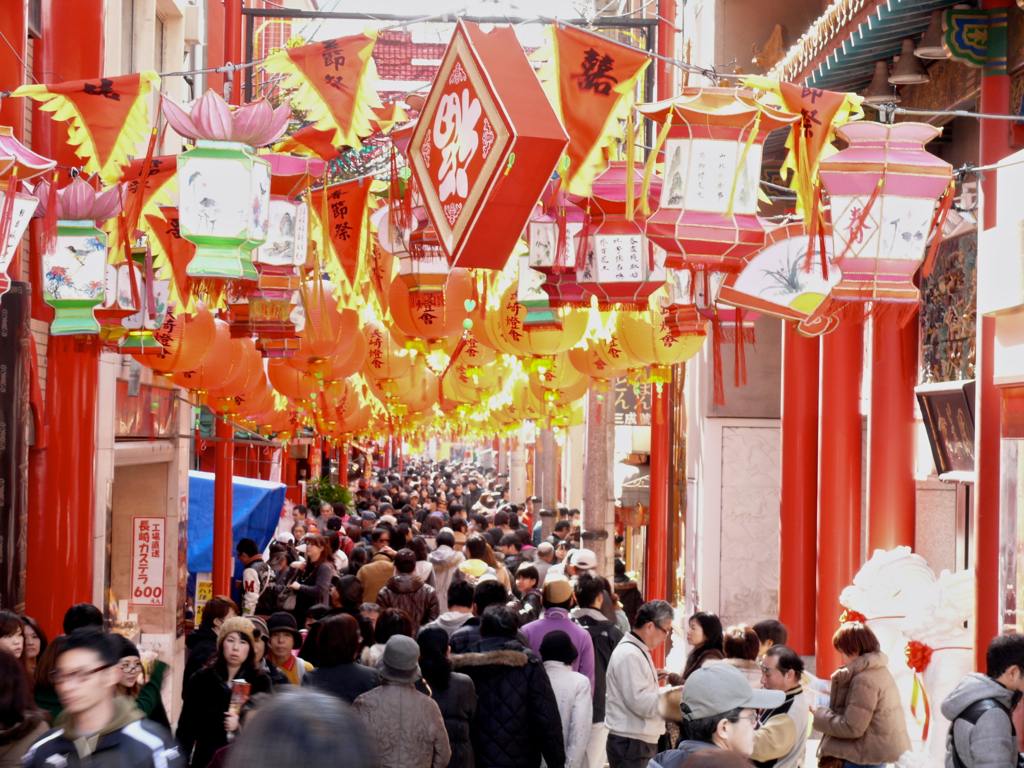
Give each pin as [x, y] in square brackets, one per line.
[719, 711]
[408, 726]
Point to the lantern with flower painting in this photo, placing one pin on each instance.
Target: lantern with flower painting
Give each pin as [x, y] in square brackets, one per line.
[74, 274]
[223, 186]
[615, 261]
[707, 216]
[17, 164]
[883, 189]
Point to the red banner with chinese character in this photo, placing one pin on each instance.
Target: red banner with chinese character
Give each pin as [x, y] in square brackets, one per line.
[336, 84]
[346, 222]
[106, 117]
[595, 79]
[310, 140]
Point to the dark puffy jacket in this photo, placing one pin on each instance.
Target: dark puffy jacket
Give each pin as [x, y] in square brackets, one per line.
[412, 595]
[606, 635]
[201, 725]
[517, 718]
[139, 744]
[202, 645]
[457, 703]
[673, 758]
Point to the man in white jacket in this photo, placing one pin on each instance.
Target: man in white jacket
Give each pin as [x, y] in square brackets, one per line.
[631, 708]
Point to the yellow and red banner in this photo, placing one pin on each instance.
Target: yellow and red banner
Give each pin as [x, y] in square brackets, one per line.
[171, 256]
[344, 209]
[592, 89]
[810, 139]
[335, 82]
[107, 117]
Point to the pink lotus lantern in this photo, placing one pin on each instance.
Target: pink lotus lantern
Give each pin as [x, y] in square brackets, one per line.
[17, 164]
[74, 275]
[617, 262]
[883, 188]
[223, 186]
[707, 216]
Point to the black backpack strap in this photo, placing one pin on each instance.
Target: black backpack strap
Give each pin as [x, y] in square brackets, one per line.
[972, 715]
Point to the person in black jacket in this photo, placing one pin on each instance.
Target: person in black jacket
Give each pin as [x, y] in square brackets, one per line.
[97, 727]
[313, 587]
[517, 718]
[453, 692]
[205, 720]
[590, 594]
[202, 641]
[338, 673]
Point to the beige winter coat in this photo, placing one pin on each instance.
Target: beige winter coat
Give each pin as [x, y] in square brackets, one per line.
[864, 722]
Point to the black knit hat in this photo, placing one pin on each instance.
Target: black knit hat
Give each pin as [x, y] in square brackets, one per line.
[125, 647]
[557, 646]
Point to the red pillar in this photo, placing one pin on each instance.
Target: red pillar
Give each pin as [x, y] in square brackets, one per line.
[223, 498]
[62, 476]
[995, 145]
[233, 44]
[799, 512]
[839, 480]
[215, 37]
[667, 12]
[60, 534]
[657, 532]
[892, 445]
[14, 27]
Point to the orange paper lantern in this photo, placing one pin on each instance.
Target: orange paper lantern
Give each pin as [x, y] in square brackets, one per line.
[185, 339]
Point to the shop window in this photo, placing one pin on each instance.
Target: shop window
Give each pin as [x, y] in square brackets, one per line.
[152, 414]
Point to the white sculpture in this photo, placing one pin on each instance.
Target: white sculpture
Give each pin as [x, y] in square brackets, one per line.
[943, 644]
[884, 591]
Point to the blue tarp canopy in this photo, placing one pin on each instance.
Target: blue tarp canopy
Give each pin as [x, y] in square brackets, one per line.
[257, 509]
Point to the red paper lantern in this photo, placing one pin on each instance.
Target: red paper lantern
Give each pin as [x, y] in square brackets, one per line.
[707, 217]
[185, 339]
[216, 366]
[485, 106]
[432, 315]
[291, 382]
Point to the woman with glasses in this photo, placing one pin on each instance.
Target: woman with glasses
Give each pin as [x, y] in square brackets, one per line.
[205, 717]
[146, 695]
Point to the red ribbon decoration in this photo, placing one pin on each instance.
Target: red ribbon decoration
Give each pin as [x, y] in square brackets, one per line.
[919, 656]
[849, 616]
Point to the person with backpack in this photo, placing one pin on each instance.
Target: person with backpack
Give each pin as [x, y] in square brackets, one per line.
[981, 732]
[256, 577]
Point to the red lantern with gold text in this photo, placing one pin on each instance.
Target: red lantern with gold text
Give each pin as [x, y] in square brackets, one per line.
[707, 217]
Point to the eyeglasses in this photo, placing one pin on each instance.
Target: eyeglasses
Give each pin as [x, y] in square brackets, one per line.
[129, 668]
[752, 718]
[667, 630]
[766, 670]
[78, 676]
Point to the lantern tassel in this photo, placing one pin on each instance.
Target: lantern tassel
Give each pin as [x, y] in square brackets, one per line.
[812, 231]
[739, 353]
[562, 223]
[630, 167]
[126, 246]
[652, 159]
[150, 282]
[821, 240]
[743, 159]
[395, 192]
[50, 219]
[716, 355]
[7, 213]
[938, 221]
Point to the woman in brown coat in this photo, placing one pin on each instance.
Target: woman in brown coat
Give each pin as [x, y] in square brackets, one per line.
[864, 724]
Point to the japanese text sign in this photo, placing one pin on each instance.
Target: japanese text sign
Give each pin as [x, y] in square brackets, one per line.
[148, 542]
[485, 109]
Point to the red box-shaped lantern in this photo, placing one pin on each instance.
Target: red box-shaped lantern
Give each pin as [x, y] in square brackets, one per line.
[486, 105]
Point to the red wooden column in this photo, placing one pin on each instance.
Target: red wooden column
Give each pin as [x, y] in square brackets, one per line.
[892, 447]
[995, 145]
[839, 480]
[14, 27]
[223, 507]
[657, 565]
[62, 477]
[233, 44]
[799, 512]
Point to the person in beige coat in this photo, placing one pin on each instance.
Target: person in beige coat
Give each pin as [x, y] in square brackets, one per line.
[863, 725]
[408, 726]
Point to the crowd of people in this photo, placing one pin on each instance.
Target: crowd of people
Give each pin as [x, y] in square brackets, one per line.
[430, 626]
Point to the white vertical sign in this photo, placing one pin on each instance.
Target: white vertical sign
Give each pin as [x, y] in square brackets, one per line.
[148, 542]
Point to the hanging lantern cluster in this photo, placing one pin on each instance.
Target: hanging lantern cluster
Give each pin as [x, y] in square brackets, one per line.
[18, 164]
